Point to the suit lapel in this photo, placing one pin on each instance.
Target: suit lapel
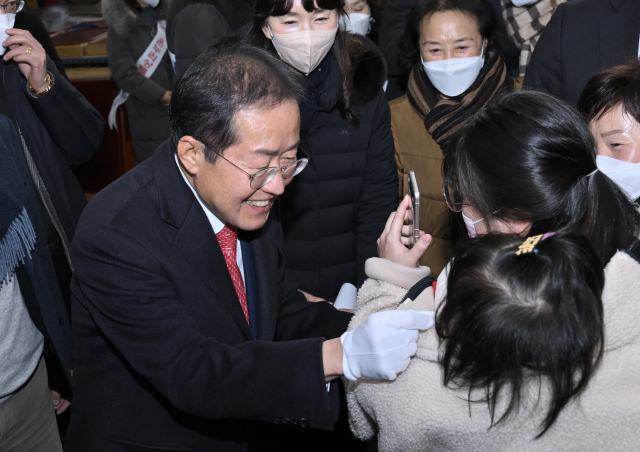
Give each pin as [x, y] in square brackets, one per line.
[619, 33]
[195, 240]
[198, 245]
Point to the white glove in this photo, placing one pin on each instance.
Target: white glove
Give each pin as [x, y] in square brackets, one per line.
[382, 346]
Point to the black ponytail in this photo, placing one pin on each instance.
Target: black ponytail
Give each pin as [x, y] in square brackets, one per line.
[530, 157]
[511, 319]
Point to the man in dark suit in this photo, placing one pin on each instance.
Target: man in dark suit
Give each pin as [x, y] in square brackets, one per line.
[185, 336]
[582, 38]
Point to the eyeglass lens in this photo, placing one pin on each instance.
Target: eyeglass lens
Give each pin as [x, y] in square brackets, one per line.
[12, 7]
[262, 178]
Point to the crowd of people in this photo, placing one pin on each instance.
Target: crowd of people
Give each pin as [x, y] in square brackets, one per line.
[189, 306]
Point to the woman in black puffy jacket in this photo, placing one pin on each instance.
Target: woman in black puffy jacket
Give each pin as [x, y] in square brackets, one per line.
[334, 211]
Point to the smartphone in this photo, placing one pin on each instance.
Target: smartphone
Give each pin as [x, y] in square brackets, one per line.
[414, 219]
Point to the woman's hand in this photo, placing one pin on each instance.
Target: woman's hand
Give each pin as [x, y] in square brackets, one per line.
[391, 244]
[25, 50]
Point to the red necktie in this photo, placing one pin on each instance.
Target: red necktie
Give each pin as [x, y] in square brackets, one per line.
[228, 240]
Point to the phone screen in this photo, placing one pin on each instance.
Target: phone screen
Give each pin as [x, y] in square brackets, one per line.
[414, 218]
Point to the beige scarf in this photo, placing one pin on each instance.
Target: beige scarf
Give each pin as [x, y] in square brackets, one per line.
[525, 24]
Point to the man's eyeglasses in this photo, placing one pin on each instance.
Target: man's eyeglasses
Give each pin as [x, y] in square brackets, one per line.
[12, 7]
[266, 175]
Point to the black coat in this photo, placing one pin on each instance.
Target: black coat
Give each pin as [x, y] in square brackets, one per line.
[392, 27]
[582, 38]
[194, 25]
[164, 358]
[335, 210]
[36, 275]
[60, 129]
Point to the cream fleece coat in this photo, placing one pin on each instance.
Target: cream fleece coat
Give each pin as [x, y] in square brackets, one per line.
[417, 413]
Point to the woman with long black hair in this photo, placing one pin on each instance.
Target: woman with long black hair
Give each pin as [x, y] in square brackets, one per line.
[335, 210]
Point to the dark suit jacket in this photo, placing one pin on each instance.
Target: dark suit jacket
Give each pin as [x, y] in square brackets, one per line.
[164, 358]
[582, 38]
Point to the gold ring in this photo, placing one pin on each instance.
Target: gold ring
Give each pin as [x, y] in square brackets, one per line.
[29, 49]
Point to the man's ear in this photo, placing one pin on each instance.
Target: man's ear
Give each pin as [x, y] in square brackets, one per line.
[190, 154]
[265, 30]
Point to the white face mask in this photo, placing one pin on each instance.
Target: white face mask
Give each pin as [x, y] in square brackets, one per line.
[151, 3]
[454, 76]
[522, 2]
[471, 225]
[6, 22]
[304, 50]
[625, 174]
[357, 23]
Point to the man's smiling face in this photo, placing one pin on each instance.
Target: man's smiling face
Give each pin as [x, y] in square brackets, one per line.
[268, 137]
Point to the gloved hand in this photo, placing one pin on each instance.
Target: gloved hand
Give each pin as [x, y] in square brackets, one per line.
[381, 347]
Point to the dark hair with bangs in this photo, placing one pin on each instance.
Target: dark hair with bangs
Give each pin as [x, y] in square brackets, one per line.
[346, 51]
[530, 157]
[224, 79]
[619, 85]
[509, 320]
[490, 25]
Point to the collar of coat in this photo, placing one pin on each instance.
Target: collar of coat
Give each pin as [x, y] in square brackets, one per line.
[124, 19]
[369, 77]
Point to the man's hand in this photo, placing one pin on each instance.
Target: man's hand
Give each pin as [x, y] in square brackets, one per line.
[382, 346]
[31, 57]
[391, 244]
[59, 404]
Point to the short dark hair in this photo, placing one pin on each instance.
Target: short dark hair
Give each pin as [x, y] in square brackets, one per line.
[531, 157]
[619, 85]
[347, 50]
[509, 319]
[227, 77]
[490, 26]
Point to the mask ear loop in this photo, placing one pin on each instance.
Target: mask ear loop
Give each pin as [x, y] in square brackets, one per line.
[273, 40]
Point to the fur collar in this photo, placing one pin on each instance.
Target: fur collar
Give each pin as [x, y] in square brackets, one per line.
[124, 19]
